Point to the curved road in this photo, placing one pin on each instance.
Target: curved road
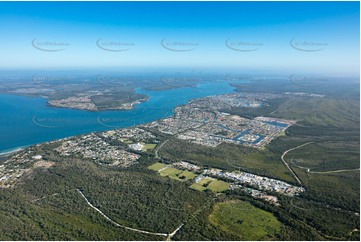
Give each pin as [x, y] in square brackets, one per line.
[309, 169]
[325, 172]
[169, 236]
[289, 168]
[158, 148]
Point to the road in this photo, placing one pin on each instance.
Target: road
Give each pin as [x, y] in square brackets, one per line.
[169, 238]
[289, 168]
[315, 172]
[336, 171]
[119, 225]
[158, 148]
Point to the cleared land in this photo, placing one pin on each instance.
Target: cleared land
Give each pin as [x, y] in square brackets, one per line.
[186, 175]
[172, 172]
[156, 166]
[218, 186]
[244, 220]
[198, 187]
[209, 183]
[148, 147]
[205, 181]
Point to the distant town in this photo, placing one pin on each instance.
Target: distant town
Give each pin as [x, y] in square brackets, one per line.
[202, 122]
[87, 103]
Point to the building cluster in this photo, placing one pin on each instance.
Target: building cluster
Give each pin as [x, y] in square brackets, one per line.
[238, 100]
[256, 193]
[256, 186]
[136, 146]
[134, 134]
[173, 125]
[304, 94]
[97, 147]
[86, 103]
[16, 165]
[93, 147]
[260, 182]
[239, 179]
[203, 122]
[83, 103]
[187, 166]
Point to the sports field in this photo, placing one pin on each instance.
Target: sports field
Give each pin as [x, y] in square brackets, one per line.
[198, 187]
[156, 166]
[148, 147]
[218, 186]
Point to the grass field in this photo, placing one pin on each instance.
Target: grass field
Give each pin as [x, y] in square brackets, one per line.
[181, 175]
[186, 175]
[218, 186]
[209, 183]
[198, 187]
[127, 141]
[170, 171]
[244, 220]
[148, 147]
[156, 166]
[206, 181]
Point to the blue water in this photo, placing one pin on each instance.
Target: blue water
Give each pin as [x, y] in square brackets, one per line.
[247, 132]
[240, 135]
[25, 121]
[258, 140]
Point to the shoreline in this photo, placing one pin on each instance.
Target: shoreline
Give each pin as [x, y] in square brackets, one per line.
[120, 108]
[11, 151]
[7, 152]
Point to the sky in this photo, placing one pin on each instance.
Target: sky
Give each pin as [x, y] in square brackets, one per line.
[279, 36]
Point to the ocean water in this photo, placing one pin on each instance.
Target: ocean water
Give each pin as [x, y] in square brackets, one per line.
[26, 121]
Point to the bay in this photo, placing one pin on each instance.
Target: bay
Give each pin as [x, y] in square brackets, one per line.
[26, 121]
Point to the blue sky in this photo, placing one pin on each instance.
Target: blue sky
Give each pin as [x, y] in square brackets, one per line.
[279, 36]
